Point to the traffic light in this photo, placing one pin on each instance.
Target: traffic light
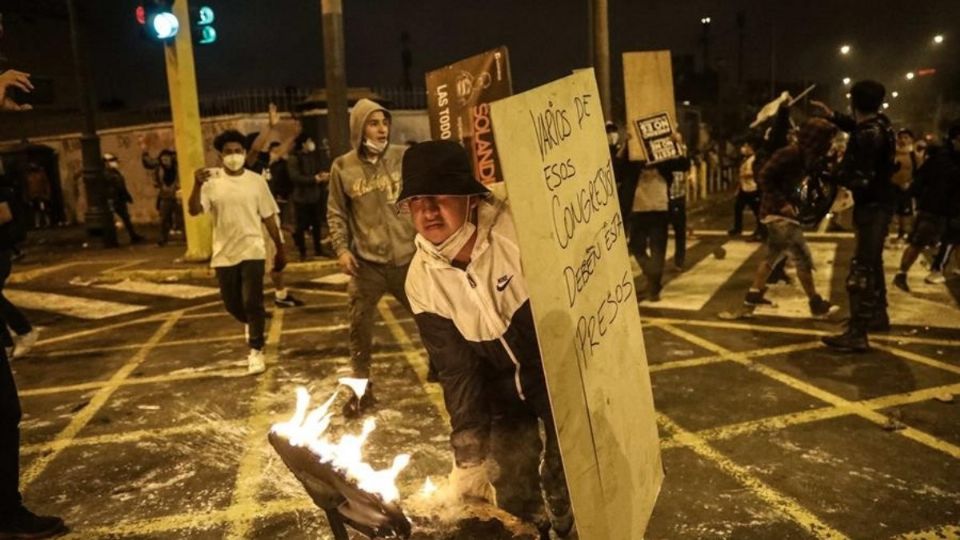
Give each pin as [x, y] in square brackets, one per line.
[156, 20]
[202, 25]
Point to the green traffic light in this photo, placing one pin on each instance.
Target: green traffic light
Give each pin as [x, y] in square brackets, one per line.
[208, 35]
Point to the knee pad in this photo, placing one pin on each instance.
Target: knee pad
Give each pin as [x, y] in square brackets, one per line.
[860, 278]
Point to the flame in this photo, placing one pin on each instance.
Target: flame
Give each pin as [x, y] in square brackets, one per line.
[346, 455]
[429, 488]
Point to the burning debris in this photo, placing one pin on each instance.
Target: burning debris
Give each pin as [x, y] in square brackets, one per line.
[353, 494]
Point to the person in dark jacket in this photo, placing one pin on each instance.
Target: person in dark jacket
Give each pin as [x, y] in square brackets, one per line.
[470, 303]
[780, 179]
[937, 192]
[866, 169]
[310, 173]
[165, 179]
[16, 521]
[118, 196]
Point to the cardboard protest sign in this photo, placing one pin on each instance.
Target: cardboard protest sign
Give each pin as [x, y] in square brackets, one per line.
[648, 88]
[458, 98]
[563, 196]
[656, 133]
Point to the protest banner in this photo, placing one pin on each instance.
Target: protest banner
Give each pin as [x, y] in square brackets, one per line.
[458, 103]
[563, 196]
[648, 89]
[656, 134]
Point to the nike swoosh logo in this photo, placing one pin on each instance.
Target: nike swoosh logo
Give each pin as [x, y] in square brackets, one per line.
[503, 282]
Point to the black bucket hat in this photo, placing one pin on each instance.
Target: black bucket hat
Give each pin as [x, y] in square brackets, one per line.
[438, 168]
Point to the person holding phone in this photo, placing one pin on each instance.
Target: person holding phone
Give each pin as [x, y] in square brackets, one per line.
[239, 201]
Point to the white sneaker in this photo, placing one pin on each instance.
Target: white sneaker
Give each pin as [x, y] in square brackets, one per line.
[256, 362]
[935, 278]
[24, 344]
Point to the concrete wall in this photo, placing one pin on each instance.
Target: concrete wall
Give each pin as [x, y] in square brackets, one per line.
[122, 142]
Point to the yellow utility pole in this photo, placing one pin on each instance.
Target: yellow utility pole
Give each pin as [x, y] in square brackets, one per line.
[188, 137]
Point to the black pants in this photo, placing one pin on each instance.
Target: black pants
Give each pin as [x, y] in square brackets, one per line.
[9, 439]
[309, 218]
[168, 216]
[121, 210]
[241, 288]
[11, 315]
[365, 290]
[648, 243]
[866, 285]
[678, 221]
[745, 200]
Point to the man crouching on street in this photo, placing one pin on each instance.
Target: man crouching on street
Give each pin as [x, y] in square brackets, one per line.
[239, 201]
[470, 302]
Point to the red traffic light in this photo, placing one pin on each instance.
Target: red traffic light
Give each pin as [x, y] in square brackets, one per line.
[141, 14]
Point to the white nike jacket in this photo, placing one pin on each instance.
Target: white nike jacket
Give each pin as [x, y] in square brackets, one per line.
[477, 327]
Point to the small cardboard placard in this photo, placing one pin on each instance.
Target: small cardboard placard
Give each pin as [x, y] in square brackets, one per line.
[656, 133]
[458, 98]
[563, 197]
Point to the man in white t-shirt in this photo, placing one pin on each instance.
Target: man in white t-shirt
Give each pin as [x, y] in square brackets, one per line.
[239, 201]
[748, 195]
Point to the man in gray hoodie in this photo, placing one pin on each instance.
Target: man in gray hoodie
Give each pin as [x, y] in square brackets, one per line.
[372, 240]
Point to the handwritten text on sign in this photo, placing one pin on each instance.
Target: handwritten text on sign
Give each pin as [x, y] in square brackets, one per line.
[563, 197]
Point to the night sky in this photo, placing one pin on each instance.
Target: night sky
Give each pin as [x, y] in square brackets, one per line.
[276, 43]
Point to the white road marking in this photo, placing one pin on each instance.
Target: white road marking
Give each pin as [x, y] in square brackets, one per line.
[74, 306]
[695, 287]
[333, 279]
[791, 302]
[170, 290]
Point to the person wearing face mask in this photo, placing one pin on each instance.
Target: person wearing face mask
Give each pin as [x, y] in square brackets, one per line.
[310, 173]
[470, 302]
[240, 203]
[118, 197]
[372, 241]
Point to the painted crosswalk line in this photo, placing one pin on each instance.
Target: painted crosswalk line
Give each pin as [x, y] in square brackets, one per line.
[170, 290]
[926, 304]
[790, 300]
[333, 279]
[694, 288]
[74, 306]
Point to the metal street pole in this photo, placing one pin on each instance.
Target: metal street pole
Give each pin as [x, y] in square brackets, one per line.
[187, 134]
[99, 217]
[334, 61]
[601, 53]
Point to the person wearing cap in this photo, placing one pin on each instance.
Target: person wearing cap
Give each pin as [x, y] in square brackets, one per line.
[470, 302]
[373, 242]
[118, 197]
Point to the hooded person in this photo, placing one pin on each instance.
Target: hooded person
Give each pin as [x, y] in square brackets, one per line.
[373, 242]
[470, 302]
[780, 181]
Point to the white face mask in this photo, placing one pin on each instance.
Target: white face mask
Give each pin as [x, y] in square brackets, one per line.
[452, 246]
[613, 138]
[309, 146]
[234, 162]
[375, 148]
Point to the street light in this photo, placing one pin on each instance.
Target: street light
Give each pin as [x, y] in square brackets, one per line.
[886, 105]
[844, 50]
[895, 94]
[910, 75]
[846, 81]
[705, 20]
[938, 39]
